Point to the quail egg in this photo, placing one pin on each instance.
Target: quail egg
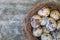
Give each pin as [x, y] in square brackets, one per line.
[35, 21]
[37, 32]
[45, 30]
[44, 21]
[44, 12]
[55, 14]
[46, 36]
[51, 24]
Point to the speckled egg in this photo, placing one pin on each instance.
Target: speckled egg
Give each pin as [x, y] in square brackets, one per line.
[45, 30]
[44, 21]
[51, 24]
[46, 36]
[44, 12]
[37, 32]
[55, 14]
[35, 21]
[54, 34]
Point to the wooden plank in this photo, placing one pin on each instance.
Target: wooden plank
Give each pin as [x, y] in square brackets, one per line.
[12, 15]
[18, 1]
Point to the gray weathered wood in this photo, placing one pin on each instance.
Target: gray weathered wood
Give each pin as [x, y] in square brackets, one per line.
[12, 14]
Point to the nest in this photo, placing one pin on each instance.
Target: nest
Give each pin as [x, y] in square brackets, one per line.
[33, 11]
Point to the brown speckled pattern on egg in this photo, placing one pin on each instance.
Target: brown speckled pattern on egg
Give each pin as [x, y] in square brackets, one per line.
[55, 14]
[44, 12]
[44, 21]
[46, 36]
[35, 21]
[37, 32]
[51, 24]
[45, 24]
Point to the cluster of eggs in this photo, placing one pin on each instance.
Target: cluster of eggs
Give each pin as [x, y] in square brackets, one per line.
[46, 24]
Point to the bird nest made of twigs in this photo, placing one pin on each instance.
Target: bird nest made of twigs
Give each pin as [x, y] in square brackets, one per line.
[27, 22]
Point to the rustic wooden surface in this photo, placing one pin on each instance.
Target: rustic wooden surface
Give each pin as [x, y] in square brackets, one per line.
[12, 14]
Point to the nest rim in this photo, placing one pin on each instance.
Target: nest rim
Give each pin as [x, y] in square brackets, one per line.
[33, 11]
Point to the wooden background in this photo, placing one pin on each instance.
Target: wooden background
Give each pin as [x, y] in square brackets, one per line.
[12, 14]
